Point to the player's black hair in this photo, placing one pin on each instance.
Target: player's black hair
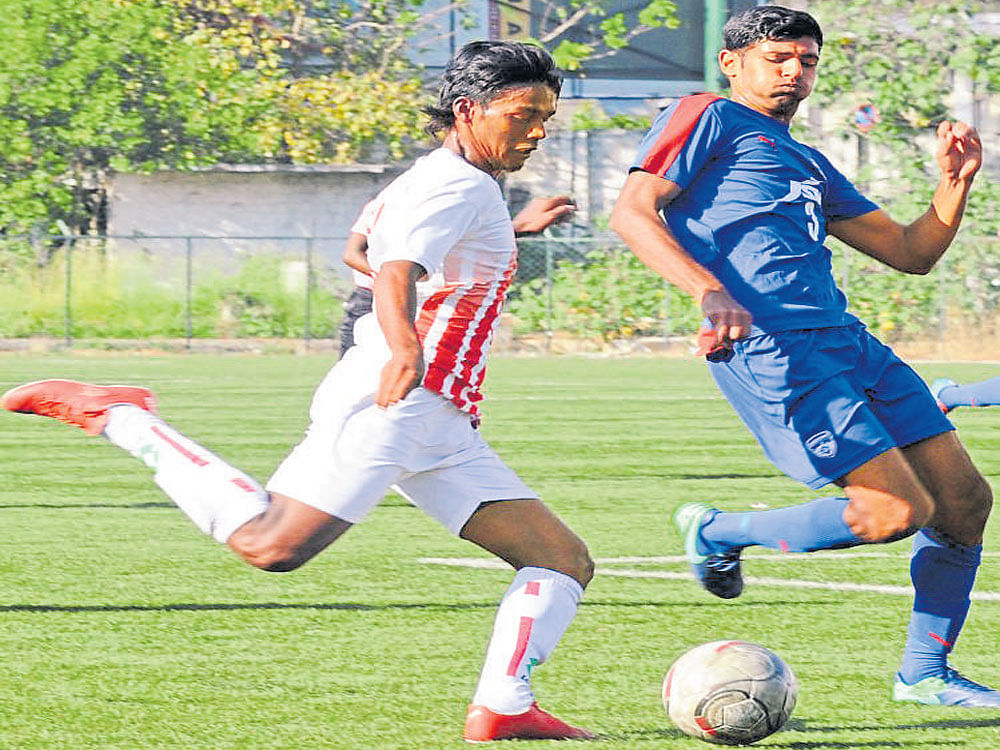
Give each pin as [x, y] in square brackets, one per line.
[481, 70]
[766, 22]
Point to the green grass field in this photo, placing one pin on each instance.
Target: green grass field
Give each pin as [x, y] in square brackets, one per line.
[123, 627]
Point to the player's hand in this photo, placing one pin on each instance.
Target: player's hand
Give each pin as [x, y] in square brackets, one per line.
[730, 321]
[400, 375]
[959, 151]
[541, 213]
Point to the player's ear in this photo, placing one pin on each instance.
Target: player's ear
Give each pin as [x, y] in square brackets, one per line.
[729, 62]
[462, 109]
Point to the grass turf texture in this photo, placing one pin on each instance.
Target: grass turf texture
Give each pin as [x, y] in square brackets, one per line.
[123, 627]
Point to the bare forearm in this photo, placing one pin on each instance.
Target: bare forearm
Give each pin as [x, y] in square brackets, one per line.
[395, 306]
[926, 239]
[657, 248]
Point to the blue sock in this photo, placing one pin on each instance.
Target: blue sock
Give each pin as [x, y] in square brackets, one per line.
[983, 393]
[801, 528]
[942, 574]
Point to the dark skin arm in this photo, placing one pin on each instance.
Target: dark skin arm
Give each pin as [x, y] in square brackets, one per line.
[395, 306]
[356, 253]
[636, 218]
[541, 213]
[917, 247]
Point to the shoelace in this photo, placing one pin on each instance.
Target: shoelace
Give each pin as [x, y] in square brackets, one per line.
[723, 563]
[952, 676]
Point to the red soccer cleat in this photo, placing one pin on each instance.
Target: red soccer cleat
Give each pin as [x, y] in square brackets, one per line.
[483, 725]
[80, 404]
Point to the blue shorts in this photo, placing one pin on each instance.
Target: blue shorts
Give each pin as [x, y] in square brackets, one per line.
[822, 402]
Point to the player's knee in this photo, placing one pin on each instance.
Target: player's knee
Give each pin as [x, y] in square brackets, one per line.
[578, 564]
[963, 516]
[266, 554]
[875, 516]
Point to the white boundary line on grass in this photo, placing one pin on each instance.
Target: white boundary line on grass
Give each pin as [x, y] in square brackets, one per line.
[790, 583]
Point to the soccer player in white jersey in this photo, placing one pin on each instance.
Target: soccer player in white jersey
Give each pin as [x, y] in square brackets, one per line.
[400, 410]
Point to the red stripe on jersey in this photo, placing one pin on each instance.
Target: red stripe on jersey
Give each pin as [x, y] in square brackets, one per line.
[467, 383]
[532, 588]
[672, 138]
[429, 309]
[446, 349]
[523, 634]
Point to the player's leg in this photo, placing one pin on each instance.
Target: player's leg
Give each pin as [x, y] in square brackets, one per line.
[950, 394]
[799, 394]
[275, 531]
[468, 494]
[553, 567]
[217, 497]
[943, 565]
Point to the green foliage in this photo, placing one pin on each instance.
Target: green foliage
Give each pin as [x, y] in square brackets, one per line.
[133, 295]
[92, 85]
[590, 116]
[576, 31]
[903, 57]
[606, 293]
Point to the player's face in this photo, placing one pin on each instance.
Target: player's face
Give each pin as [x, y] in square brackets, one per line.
[505, 131]
[772, 76]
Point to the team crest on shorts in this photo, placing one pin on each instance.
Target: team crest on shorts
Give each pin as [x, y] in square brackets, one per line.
[822, 444]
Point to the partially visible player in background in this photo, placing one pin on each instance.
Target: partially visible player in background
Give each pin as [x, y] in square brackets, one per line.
[724, 203]
[359, 303]
[537, 216]
[400, 410]
[950, 395]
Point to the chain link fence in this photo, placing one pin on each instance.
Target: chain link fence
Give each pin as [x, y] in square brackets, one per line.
[571, 293]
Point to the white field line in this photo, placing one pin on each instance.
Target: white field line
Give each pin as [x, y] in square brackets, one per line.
[790, 583]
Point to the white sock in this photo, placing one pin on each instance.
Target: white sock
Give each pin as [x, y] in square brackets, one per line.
[533, 615]
[213, 494]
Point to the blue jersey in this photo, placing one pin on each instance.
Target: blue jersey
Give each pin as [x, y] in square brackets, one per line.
[753, 208]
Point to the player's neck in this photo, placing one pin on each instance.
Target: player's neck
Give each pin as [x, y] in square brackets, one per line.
[782, 114]
[465, 147]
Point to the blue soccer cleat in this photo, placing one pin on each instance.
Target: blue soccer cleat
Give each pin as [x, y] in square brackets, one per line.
[951, 690]
[936, 387]
[718, 573]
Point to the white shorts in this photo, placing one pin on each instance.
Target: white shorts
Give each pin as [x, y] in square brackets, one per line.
[423, 447]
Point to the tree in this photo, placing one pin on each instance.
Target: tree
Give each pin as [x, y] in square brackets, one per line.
[90, 85]
[905, 57]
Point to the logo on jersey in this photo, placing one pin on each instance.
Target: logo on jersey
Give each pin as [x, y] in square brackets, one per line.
[807, 192]
[822, 444]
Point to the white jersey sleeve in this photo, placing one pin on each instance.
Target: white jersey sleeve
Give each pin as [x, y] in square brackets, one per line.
[425, 228]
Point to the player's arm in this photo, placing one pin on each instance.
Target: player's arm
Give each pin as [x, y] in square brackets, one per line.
[636, 218]
[395, 307]
[916, 247]
[356, 253]
[541, 213]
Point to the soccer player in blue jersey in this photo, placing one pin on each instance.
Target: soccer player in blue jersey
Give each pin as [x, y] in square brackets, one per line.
[725, 204]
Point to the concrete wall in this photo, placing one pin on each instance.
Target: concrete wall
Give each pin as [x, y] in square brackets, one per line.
[244, 201]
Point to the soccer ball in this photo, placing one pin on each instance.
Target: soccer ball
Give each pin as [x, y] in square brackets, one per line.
[729, 692]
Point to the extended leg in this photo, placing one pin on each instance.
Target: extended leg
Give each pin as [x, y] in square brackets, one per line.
[946, 556]
[950, 394]
[553, 567]
[884, 500]
[274, 533]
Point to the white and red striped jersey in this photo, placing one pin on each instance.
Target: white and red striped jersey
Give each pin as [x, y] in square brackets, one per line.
[450, 218]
